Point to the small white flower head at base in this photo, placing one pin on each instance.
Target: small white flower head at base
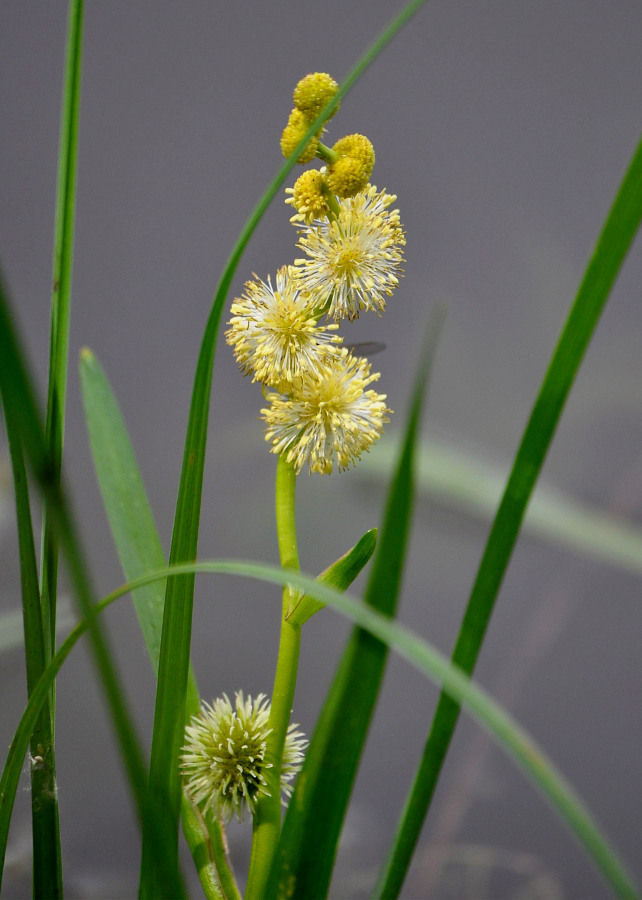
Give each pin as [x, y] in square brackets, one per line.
[222, 760]
[329, 418]
[357, 255]
[275, 332]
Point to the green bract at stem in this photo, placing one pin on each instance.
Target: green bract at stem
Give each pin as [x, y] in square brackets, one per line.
[267, 818]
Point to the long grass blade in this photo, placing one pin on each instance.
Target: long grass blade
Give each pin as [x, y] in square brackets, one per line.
[613, 244]
[61, 301]
[47, 862]
[169, 715]
[20, 407]
[313, 822]
[418, 652]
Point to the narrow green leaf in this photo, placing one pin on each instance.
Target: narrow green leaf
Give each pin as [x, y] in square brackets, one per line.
[615, 239]
[20, 407]
[339, 575]
[418, 652]
[313, 822]
[61, 304]
[139, 549]
[463, 481]
[47, 862]
[169, 714]
[130, 516]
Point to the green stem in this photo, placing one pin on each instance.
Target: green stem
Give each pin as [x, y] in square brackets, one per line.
[326, 154]
[267, 817]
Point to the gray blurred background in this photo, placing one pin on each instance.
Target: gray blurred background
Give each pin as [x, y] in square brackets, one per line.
[504, 128]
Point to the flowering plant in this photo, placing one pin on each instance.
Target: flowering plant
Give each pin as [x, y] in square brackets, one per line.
[219, 760]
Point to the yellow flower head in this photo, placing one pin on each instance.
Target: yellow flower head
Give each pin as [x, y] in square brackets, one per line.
[309, 196]
[356, 258]
[293, 133]
[351, 171]
[328, 417]
[275, 332]
[313, 92]
[222, 760]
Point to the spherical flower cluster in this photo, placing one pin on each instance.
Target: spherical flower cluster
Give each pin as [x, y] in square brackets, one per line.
[222, 760]
[309, 196]
[351, 171]
[357, 255]
[275, 332]
[329, 417]
[293, 133]
[313, 92]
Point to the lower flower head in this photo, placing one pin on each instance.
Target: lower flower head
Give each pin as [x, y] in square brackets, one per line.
[275, 332]
[357, 256]
[328, 417]
[222, 760]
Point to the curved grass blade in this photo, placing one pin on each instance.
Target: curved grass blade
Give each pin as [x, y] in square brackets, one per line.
[20, 407]
[169, 715]
[415, 650]
[615, 239]
[307, 849]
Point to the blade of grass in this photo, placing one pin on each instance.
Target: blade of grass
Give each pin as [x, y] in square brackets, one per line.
[169, 717]
[461, 480]
[47, 863]
[614, 241]
[139, 549]
[306, 852]
[61, 302]
[418, 652]
[20, 407]
[47, 860]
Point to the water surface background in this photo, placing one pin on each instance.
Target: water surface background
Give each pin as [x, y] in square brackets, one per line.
[504, 128]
